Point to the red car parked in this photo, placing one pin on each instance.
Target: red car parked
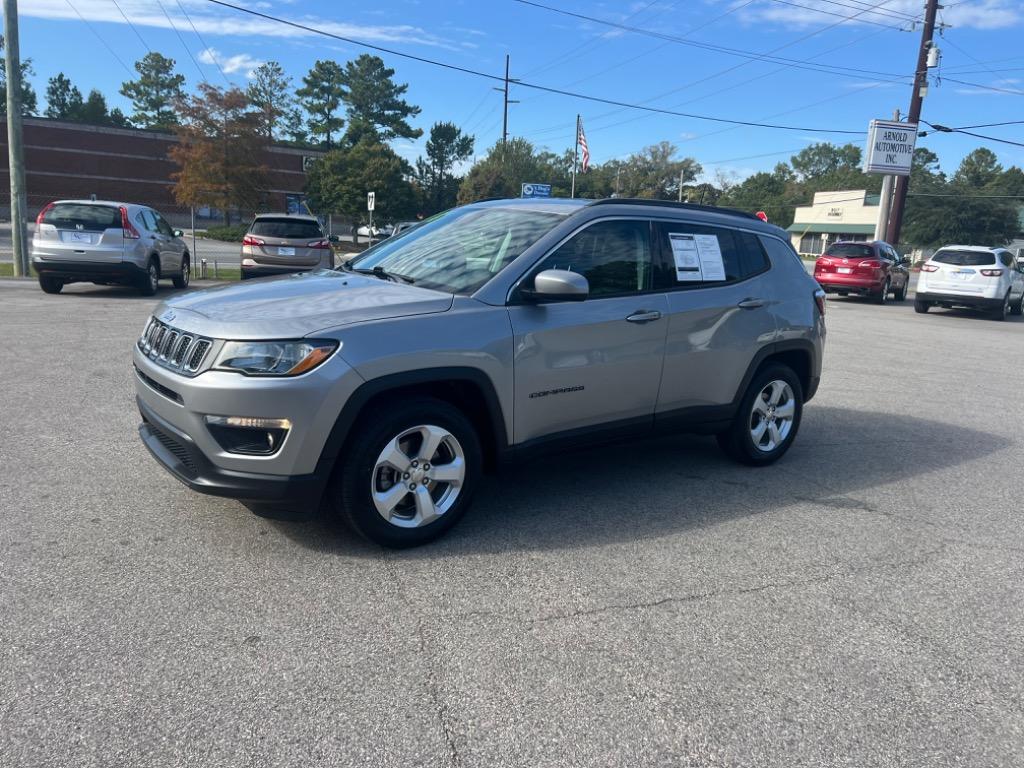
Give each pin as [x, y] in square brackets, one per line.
[866, 269]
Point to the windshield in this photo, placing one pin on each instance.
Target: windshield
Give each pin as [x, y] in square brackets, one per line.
[849, 249]
[300, 229]
[964, 258]
[460, 250]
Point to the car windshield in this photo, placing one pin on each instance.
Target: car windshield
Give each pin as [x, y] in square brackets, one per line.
[850, 249]
[460, 250]
[299, 229]
[83, 217]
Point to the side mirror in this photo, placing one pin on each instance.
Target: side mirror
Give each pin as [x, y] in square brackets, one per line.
[558, 285]
[178, 233]
[333, 239]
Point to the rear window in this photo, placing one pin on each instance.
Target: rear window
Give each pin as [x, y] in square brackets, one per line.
[83, 217]
[964, 258]
[850, 249]
[299, 229]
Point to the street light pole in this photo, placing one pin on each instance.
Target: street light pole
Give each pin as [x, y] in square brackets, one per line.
[899, 198]
[15, 149]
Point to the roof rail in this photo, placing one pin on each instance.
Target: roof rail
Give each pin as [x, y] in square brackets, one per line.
[674, 204]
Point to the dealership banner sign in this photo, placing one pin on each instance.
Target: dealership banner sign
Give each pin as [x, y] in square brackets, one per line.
[890, 147]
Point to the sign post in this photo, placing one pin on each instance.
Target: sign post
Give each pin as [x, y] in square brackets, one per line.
[371, 202]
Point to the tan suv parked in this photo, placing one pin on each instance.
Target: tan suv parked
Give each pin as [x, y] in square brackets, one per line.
[280, 243]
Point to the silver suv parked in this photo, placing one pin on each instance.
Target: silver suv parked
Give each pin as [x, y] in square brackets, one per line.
[489, 332]
[106, 243]
[280, 243]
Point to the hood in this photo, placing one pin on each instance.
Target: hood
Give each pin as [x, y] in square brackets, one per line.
[296, 305]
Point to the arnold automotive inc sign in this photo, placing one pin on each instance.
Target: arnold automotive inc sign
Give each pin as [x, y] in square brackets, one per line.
[890, 147]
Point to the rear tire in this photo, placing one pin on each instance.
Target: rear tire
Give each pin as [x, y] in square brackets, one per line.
[382, 501]
[1018, 308]
[51, 284]
[180, 280]
[1001, 313]
[921, 307]
[883, 296]
[745, 440]
[149, 282]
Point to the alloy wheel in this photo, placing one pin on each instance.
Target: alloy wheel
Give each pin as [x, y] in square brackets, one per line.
[154, 277]
[186, 271]
[771, 418]
[418, 476]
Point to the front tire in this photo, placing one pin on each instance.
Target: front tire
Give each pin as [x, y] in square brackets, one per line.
[883, 296]
[410, 475]
[768, 418]
[181, 279]
[51, 284]
[150, 282]
[1018, 308]
[921, 307]
[901, 294]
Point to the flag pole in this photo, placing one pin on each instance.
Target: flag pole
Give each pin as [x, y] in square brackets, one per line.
[575, 157]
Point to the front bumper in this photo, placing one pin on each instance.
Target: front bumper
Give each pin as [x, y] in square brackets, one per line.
[89, 271]
[174, 429]
[180, 456]
[960, 300]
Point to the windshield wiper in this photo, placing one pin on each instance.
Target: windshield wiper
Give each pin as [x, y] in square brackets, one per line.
[382, 273]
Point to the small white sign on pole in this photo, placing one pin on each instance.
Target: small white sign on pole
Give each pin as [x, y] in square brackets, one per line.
[371, 200]
[890, 147]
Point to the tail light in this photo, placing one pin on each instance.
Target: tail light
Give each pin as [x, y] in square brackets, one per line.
[250, 240]
[929, 268]
[823, 262]
[319, 244]
[992, 272]
[42, 213]
[819, 299]
[127, 229]
[871, 264]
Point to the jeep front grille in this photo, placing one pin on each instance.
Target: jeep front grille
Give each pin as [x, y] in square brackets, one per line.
[174, 349]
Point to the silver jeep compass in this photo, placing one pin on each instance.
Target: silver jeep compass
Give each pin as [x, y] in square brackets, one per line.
[385, 388]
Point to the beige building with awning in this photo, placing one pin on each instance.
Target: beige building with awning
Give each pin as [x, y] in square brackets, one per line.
[850, 214]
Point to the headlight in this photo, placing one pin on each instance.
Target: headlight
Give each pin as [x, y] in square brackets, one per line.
[274, 358]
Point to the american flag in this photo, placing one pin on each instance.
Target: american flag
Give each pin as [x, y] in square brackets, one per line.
[584, 149]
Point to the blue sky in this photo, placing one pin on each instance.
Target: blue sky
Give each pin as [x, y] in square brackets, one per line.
[981, 45]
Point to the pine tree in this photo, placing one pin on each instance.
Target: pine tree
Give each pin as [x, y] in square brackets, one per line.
[321, 97]
[155, 93]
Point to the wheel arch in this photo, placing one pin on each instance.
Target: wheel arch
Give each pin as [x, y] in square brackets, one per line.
[468, 389]
[796, 354]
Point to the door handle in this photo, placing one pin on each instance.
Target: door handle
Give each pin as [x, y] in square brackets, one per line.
[644, 316]
[751, 303]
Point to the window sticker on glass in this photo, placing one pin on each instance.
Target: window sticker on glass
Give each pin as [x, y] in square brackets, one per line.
[698, 257]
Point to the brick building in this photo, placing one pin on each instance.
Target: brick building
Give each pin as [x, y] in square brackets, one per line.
[72, 160]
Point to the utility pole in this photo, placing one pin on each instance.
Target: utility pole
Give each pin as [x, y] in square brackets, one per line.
[15, 151]
[899, 198]
[885, 199]
[504, 121]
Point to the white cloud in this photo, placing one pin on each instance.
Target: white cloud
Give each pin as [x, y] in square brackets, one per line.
[981, 14]
[144, 13]
[241, 62]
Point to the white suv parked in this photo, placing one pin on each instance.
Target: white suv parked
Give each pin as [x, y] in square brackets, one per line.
[972, 276]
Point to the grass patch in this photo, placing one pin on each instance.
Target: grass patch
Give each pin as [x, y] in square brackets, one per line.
[7, 270]
[230, 234]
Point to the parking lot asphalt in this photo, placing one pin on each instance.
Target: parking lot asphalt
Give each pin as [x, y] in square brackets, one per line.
[857, 604]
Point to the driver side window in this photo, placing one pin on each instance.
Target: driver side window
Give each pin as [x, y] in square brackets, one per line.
[614, 256]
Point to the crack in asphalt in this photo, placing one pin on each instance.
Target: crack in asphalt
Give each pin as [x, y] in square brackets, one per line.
[441, 710]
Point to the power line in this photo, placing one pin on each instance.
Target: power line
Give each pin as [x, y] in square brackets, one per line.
[944, 129]
[833, 13]
[523, 84]
[202, 76]
[887, 12]
[984, 87]
[98, 37]
[990, 125]
[208, 49]
[796, 63]
[130, 24]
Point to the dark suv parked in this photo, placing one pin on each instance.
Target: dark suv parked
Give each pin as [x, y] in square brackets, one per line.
[488, 332]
